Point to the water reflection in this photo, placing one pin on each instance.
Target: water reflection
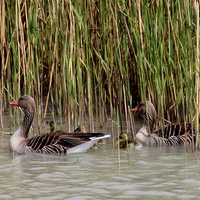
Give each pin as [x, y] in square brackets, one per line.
[104, 173]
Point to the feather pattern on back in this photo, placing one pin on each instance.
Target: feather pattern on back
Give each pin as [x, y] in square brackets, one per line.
[169, 134]
[49, 143]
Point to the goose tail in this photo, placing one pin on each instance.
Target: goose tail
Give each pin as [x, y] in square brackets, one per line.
[87, 145]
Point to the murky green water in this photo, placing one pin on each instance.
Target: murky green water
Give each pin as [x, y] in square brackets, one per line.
[147, 173]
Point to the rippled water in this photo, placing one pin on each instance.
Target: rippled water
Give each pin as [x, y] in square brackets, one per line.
[104, 173]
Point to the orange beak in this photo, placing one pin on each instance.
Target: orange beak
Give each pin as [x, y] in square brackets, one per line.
[134, 109]
[14, 103]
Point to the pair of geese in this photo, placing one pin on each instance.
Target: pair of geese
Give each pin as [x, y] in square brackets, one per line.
[60, 142]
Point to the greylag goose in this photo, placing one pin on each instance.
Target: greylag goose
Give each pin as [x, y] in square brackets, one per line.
[49, 143]
[125, 141]
[169, 134]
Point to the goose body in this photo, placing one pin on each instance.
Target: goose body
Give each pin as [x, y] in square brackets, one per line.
[79, 129]
[58, 142]
[169, 134]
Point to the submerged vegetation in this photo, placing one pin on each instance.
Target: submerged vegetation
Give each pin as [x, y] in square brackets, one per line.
[99, 58]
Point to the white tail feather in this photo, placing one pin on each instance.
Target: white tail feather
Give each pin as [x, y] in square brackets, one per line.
[85, 146]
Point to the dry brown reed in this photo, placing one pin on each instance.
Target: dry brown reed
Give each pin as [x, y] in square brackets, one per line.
[99, 57]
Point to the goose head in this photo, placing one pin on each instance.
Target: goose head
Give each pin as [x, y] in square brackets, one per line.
[148, 112]
[25, 102]
[20, 136]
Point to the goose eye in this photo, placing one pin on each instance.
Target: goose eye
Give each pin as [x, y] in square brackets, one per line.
[21, 98]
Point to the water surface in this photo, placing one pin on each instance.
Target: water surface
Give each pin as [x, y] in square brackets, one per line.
[104, 173]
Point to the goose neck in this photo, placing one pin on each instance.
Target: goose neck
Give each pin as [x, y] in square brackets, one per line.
[143, 136]
[26, 123]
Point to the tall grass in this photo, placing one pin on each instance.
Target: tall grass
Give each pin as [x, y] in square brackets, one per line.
[99, 57]
[196, 7]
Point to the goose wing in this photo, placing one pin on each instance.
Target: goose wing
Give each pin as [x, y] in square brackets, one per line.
[58, 142]
[177, 133]
[73, 139]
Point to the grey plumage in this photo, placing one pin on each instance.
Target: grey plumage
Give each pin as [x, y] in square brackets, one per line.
[169, 134]
[57, 142]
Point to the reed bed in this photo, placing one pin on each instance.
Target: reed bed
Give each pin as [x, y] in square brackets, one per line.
[98, 58]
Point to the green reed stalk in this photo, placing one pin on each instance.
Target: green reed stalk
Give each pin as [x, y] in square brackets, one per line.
[118, 133]
[81, 56]
[196, 4]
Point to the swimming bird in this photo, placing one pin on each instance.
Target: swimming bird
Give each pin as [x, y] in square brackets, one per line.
[52, 126]
[125, 141]
[58, 142]
[80, 129]
[169, 134]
